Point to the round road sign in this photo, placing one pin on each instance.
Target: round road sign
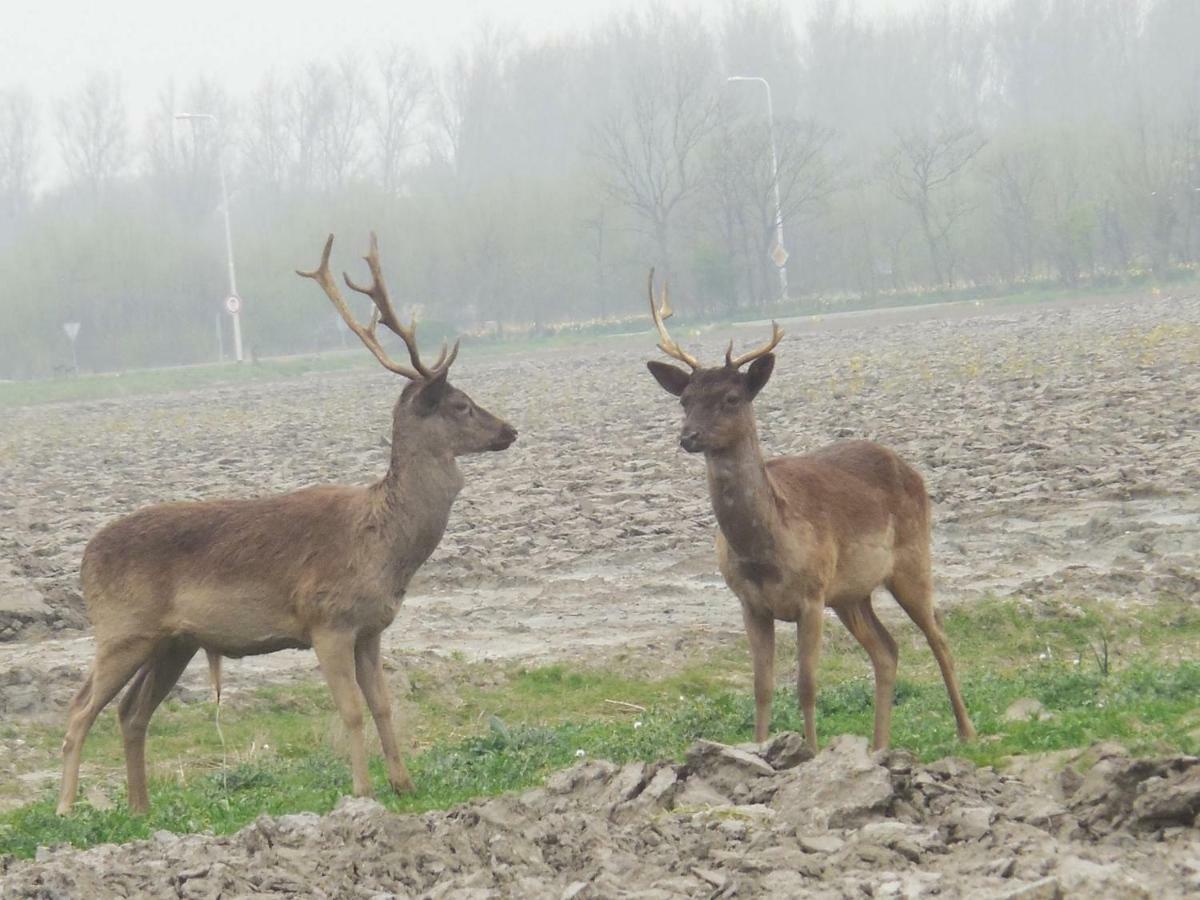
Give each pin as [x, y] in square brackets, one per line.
[233, 304]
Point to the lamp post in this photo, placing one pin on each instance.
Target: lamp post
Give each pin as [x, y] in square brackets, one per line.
[780, 253]
[233, 302]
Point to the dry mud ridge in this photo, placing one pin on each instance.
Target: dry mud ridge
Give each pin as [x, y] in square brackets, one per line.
[1060, 443]
[765, 820]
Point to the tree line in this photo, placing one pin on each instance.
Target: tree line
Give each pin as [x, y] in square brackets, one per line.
[525, 183]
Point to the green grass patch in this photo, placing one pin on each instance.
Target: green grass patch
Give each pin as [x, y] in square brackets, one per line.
[487, 729]
[167, 380]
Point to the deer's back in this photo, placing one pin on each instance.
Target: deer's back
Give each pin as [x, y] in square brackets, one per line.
[854, 488]
[275, 549]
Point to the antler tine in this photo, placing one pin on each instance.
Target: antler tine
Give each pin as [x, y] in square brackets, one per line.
[736, 363]
[322, 277]
[441, 360]
[660, 314]
[377, 291]
[445, 362]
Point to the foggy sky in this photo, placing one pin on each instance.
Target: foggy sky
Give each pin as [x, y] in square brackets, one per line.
[51, 46]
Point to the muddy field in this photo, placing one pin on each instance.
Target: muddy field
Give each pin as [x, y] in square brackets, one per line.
[1060, 443]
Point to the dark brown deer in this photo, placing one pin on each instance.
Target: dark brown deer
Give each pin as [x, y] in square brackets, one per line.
[800, 533]
[324, 567]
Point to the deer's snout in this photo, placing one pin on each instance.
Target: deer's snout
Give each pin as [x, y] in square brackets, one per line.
[504, 440]
[690, 441]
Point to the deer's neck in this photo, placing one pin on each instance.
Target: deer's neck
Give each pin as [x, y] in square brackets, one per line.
[743, 499]
[412, 504]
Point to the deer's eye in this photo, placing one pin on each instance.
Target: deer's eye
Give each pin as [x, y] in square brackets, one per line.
[463, 409]
[732, 399]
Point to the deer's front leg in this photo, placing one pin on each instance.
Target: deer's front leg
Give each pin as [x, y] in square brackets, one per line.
[760, 629]
[335, 653]
[369, 670]
[808, 654]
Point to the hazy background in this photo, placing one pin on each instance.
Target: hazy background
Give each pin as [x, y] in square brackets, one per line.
[524, 163]
[51, 45]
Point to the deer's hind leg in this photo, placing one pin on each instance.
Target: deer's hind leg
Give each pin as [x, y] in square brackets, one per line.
[150, 686]
[115, 663]
[861, 621]
[913, 590]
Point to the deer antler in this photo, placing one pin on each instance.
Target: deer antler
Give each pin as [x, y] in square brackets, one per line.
[660, 313]
[383, 312]
[776, 337]
[377, 291]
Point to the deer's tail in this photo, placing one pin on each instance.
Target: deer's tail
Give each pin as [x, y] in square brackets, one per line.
[214, 672]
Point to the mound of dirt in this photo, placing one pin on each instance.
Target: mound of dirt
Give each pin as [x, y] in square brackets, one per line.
[731, 821]
[22, 606]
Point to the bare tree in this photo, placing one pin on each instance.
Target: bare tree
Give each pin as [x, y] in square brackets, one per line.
[1068, 59]
[666, 109]
[743, 189]
[18, 150]
[404, 87]
[597, 227]
[759, 37]
[1156, 172]
[270, 141]
[165, 151]
[1069, 212]
[345, 117]
[1016, 174]
[921, 171]
[1168, 126]
[93, 132]
[182, 158]
[328, 112]
[471, 103]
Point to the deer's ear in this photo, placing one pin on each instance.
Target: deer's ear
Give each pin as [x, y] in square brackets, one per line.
[759, 374]
[430, 393]
[672, 378]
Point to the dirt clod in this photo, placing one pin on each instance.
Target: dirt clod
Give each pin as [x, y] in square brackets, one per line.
[600, 830]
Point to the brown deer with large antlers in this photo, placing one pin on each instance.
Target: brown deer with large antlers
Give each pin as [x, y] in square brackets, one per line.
[800, 533]
[324, 567]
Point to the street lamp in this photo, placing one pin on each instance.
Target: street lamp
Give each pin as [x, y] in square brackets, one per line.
[780, 253]
[233, 303]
